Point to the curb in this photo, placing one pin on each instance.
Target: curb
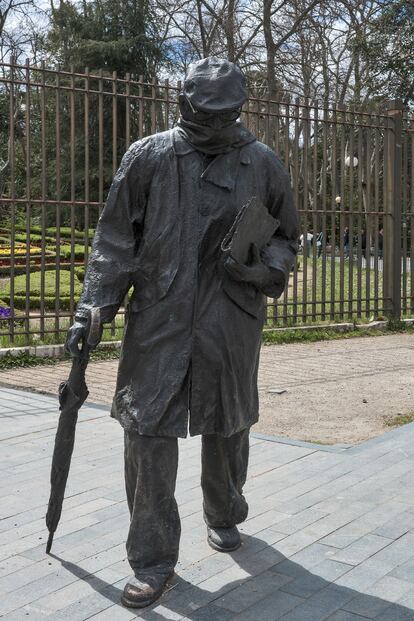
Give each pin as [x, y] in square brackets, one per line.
[50, 351]
[57, 351]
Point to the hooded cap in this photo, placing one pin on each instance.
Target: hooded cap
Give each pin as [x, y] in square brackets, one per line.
[215, 85]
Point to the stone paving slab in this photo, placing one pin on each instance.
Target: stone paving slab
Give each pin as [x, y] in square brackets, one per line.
[339, 391]
[330, 534]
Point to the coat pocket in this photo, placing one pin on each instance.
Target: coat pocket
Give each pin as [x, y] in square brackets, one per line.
[246, 297]
[158, 267]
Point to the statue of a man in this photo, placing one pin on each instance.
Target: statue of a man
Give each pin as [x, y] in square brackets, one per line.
[190, 352]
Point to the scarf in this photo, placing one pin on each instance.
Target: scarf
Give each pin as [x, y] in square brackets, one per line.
[212, 141]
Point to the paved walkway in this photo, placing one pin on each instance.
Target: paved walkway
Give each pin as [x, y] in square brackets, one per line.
[330, 533]
[341, 391]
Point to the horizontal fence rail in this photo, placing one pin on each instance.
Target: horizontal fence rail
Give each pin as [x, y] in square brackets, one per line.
[63, 135]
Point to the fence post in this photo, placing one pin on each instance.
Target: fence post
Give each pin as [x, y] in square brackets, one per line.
[392, 211]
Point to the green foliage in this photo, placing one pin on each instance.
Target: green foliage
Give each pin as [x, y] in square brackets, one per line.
[65, 232]
[15, 361]
[78, 251]
[80, 273]
[399, 420]
[274, 337]
[50, 290]
[388, 48]
[106, 34]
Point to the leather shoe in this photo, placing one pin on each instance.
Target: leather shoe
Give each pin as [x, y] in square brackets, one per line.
[223, 539]
[143, 592]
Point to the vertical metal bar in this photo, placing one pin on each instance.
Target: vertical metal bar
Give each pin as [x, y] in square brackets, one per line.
[351, 166]
[410, 130]
[287, 164]
[114, 147]
[276, 124]
[267, 139]
[298, 205]
[153, 106]
[376, 207]
[128, 111]
[114, 123]
[72, 195]
[384, 186]
[305, 204]
[28, 198]
[276, 128]
[404, 165]
[13, 107]
[324, 207]
[342, 205]
[315, 208]
[392, 233]
[58, 206]
[333, 213]
[43, 194]
[101, 143]
[362, 234]
[86, 165]
[177, 106]
[368, 218]
[141, 107]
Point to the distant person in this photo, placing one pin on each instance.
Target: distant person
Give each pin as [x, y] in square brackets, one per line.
[364, 246]
[346, 241]
[381, 243]
[319, 243]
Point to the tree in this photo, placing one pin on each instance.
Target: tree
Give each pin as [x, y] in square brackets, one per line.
[108, 35]
[388, 49]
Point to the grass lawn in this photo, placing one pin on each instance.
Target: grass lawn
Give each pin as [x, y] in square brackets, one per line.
[313, 296]
[318, 288]
[64, 285]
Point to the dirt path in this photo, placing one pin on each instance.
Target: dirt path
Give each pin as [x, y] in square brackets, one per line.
[336, 391]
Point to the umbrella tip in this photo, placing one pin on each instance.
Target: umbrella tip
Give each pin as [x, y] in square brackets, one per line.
[49, 543]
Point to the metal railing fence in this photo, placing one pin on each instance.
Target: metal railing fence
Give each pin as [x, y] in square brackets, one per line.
[62, 135]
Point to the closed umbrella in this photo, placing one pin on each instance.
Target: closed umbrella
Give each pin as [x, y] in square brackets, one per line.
[72, 395]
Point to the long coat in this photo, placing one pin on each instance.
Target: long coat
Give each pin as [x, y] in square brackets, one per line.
[191, 345]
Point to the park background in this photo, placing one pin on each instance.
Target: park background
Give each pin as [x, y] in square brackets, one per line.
[331, 90]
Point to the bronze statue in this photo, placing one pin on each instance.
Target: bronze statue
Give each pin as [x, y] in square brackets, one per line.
[190, 352]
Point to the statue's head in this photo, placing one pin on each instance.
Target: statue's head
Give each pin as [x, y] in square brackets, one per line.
[213, 94]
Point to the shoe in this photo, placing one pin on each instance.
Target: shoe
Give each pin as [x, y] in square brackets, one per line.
[143, 592]
[223, 539]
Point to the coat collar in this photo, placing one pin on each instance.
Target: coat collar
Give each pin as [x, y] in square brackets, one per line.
[223, 169]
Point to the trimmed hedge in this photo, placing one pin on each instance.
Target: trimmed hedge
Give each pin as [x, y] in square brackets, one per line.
[78, 251]
[34, 302]
[65, 231]
[36, 267]
[80, 273]
[49, 293]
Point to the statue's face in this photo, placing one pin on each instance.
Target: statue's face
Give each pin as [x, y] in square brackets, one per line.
[215, 120]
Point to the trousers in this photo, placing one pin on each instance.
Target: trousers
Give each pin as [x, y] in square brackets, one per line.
[150, 478]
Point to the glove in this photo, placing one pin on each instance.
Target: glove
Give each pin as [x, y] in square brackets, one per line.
[76, 337]
[255, 273]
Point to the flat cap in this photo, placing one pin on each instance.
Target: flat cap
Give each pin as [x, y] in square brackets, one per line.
[215, 85]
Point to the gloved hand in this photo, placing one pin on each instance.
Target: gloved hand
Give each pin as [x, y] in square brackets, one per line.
[77, 336]
[255, 273]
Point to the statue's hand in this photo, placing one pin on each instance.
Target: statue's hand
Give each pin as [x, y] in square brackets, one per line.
[255, 273]
[76, 337]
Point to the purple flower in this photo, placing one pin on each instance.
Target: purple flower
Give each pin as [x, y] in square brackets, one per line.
[5, 313]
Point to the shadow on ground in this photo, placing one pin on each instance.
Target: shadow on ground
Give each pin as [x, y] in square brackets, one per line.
[285, 590]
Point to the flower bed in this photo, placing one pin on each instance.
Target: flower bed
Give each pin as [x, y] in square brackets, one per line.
[6, 251]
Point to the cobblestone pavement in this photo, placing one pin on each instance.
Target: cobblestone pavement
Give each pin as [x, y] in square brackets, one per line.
[330, 533]
[338, 391]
